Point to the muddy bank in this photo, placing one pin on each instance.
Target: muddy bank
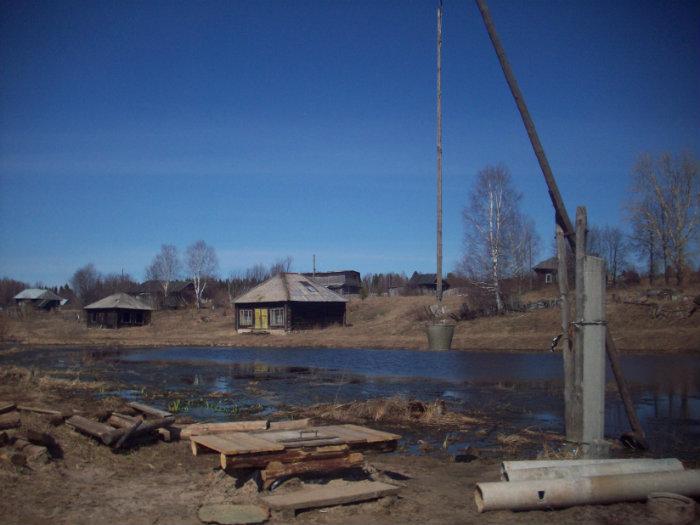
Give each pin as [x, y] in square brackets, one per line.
[163, 483]
[378, 322]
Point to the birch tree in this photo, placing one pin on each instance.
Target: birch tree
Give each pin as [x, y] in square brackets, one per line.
[165, 267]
[492, 220]
[202, 264]
[665, 201]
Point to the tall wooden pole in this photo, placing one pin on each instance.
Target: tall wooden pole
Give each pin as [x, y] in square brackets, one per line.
[438, 288]
[562, 216]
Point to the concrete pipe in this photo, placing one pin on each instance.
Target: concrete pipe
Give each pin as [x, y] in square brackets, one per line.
[509, 466]
[547, 494]
[636, 466]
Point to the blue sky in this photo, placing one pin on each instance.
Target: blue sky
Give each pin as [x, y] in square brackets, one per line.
[274, 128]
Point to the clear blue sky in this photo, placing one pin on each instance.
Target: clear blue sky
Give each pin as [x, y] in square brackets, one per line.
[292, 128]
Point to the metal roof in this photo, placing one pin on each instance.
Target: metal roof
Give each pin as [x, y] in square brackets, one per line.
[293, 287]
[38, 293]
[119, 301]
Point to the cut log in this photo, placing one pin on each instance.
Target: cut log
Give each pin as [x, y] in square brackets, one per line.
[9, 420]
[203, 429]
[129, 432]
[288, 456]
[35, 454]
[16, 458]
[7, 407]
[326, 496]
[292, 424]
[121, 420]
[41, 438]
[149, 410]
[165, 434]
[277, 470]
[103, 432]
[148, 425]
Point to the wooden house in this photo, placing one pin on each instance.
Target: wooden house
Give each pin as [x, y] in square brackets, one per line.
[286, 302]
[345, 282]
[118, 310]
[546, 271]
[180, 294]
[426, 283]
[39, 299]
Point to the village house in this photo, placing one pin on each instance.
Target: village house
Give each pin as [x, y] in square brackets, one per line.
[286, 302]
[546, 271]
[426, 283]
[180, 294]
[345, 282]
[118, 310]
[39, 299]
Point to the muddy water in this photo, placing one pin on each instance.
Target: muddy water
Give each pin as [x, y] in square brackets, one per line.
[516, 390]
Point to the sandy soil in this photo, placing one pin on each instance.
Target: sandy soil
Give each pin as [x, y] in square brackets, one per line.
[162, 483]
[380, 322]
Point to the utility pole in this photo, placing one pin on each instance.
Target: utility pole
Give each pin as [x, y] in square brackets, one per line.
[438, 288]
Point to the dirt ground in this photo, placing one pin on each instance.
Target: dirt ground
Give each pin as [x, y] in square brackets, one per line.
[383, 322]
[162, 483]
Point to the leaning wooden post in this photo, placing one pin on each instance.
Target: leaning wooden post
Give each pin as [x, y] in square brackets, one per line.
[570, 409]
[592, 326]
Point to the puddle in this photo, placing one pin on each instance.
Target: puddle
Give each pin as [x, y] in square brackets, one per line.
[514, 390]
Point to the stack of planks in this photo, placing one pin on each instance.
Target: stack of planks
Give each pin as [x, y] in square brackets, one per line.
[287, 448]
[121, 428]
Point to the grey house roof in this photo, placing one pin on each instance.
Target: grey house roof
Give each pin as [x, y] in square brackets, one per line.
[293, 287]
[547, 265]
[336, 279]
[38, 293]
[120, 301]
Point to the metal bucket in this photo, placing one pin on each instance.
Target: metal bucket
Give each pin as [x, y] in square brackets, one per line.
[440, 336]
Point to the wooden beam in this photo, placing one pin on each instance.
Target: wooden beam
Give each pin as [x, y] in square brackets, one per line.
[129, 432]
[277, 470]
[287, 456]
[202, 429]
[149, 410]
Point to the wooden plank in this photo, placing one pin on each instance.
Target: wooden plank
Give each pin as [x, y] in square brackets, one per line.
[233, 443]
[292, 424]
[326, 496]
[9, 420]
[149, 410]
[374, 436]
[121, 421]
[39, 410]
[287, 456]
[313, 442]
[92, 428]
[351, 437]
[202, 429]
[129, 432]
[9, 407]
[277, 470]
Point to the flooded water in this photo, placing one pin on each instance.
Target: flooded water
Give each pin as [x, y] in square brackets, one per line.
[518, 390]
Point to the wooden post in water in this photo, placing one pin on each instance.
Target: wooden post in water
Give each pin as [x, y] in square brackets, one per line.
[438, 288]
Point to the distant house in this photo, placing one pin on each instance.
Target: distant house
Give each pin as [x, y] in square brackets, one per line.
[180, 294]
[426, 283]
[118, 310]
[39, 299]
[286, 302]
[546, 271]
[346, 282]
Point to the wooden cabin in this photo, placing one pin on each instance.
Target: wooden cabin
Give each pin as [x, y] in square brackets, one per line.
[180, 294]
[546, 271]
[426, 283]
[286, 302]
[117, 311]
[38, 299]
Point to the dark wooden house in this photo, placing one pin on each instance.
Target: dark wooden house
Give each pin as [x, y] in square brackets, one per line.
[38, 299]
[118, 310]
[546, 271]
[180, 294]
[286, 302]
[426, 283]
[345, 282]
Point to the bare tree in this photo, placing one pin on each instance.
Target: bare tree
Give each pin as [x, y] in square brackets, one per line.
[165, 267]
[257, 274]
[524, 243]
[281, 265]
[492, 219]
[614, 248]
[86, 283]
[202, 264]
[665, 201]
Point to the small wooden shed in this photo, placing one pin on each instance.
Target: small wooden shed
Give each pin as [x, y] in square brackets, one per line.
[116, 311]
[39, 299]
[286, 302]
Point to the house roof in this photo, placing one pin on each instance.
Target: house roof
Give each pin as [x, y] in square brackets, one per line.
[336, 279]
[294, 287]
[38, 293]
[155, 287]
[120, 301]
[423, 279]
[548, 265]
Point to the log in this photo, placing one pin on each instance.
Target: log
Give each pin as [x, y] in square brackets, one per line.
[41, 410]
[121, 420]
[16, 458]
[149, 410]
[7, 407]
[560, 493]
[277, 470]
[148, 425]
[4, 439]
[288, 456]
[292, 424]
[103, 432]
[201, 429]
[165, 434]
[129, 432]
[41, 438]
[9, 420]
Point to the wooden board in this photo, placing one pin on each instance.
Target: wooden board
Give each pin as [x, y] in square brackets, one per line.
[149, 410]
[325, 496]
[373, 436]
[234, 443]
[9, 407]
[292, 424]
[202, 429]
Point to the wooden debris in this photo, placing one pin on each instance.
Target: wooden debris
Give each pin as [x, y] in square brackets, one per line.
[277, 470]
[43, 439]
[231, 514]
[165, 434]
[16, 458]
[149, 410]
[103, 432]
[329, 495]
[292, 424]
[288, 456]
[121, 420]
[9, 420]
[7, 407]
[41, 410]
[129, 432]
[4, 439]
[202, 429]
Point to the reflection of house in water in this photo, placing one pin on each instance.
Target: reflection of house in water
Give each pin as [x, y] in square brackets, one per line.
[288, 301]
[39, 299]
[118, 310]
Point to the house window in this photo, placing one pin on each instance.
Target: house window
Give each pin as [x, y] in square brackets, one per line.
[246, 318]
[276, 316]
[309, 287]
[126, 318]
[548, 278]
